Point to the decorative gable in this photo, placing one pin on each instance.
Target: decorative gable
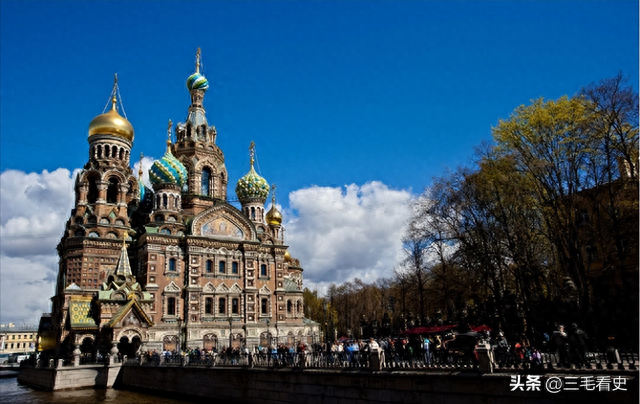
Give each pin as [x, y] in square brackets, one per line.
[222, 289]
[209, 288]
[235, 289]
[172, 288]
[264, 290]
[131, 314]
[223, 222]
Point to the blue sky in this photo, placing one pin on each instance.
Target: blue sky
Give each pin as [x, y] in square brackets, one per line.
[349, 102]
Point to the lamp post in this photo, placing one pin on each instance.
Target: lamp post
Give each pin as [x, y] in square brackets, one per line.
[179, 334]
[230, 320]
[324, 308]
[268, 334]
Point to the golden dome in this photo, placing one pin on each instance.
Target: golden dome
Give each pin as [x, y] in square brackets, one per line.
[287, 257]
[111, 123]
[273, 216]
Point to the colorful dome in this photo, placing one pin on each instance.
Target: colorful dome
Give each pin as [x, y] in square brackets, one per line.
[287, 257]
[274, 217]
[111, 123]
[168, 170]
[252, 187]
[197, 82]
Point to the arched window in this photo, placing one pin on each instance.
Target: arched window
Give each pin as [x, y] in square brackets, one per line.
[222, 267]
[222, 305]
[172, 264]
[121, 154]
[253, 213]
[159, 218]
[209, 266]
[206, 180]
[92, 195]
[106, 151]
[99, 151]
[264, 306]
[164, 201]
[234, 268]
[263, 270]
[112, 190]
[208, 305]
[289, 306]
[299, 307]
[235, 306]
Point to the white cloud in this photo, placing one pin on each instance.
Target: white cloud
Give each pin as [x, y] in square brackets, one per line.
[34, 208]
[340, 234]
[337, 233]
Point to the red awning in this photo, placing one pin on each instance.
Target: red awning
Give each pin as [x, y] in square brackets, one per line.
[481, 328]
[429, 330]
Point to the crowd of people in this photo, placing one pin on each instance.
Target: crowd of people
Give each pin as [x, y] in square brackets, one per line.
[413, 349]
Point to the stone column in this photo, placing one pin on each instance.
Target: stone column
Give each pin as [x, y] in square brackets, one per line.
[82, 195]
[485, 357]
[122, 194]
[76, 355]
[102, 191]
[113, 354]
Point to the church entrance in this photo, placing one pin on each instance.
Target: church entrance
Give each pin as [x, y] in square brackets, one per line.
[170, 343]
[210, 342]
[129, 348]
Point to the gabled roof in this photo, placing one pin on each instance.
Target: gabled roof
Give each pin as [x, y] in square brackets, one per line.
[131, 305]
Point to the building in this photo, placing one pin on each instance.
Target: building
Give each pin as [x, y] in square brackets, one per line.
[17, 339]
[176, 266]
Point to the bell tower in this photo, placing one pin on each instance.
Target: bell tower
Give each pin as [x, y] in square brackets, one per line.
[196, 148]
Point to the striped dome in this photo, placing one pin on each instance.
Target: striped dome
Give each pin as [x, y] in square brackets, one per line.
[252, 187]
[168, 170]
[197, 82]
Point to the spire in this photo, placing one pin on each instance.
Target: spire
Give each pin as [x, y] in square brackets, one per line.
[252, 152]
[273, 194]
[124, 267]
[140, 167]
[169, 126]
[197, 85]
[198, 60]
[114, 99]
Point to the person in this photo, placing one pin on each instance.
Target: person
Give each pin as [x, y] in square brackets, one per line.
[426, 350]
[502, 348]
[561, 345]
[578, 343]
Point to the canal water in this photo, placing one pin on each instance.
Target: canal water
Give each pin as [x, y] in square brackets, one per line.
[12, 392]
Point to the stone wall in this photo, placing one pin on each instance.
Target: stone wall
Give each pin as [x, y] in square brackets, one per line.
[312, 386]
[61, 378]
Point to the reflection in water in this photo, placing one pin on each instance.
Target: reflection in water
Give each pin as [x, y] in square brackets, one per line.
[11, 392]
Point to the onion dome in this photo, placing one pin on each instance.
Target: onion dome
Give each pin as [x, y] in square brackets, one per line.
[168, 170]
[197, 81]
[287, 257]
[274, 217]
[252, 187]
[112, 123]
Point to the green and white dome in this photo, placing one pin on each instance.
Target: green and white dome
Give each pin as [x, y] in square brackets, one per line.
[252, 187]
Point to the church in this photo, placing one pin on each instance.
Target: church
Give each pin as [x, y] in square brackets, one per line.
[174, 266]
